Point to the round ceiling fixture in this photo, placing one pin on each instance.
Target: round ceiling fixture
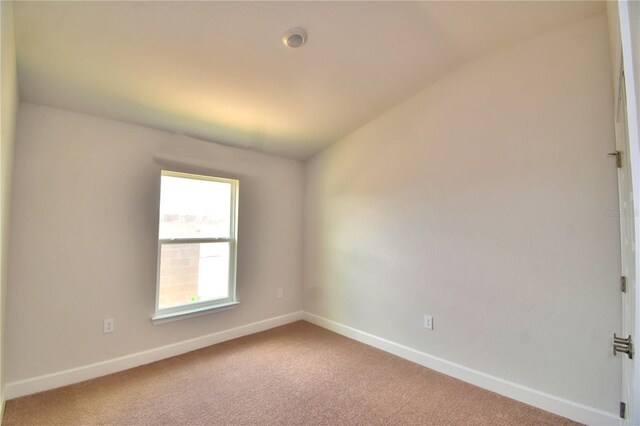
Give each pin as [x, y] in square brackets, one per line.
[295, 37]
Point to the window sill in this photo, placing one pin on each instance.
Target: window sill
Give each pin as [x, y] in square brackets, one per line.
[190, 313]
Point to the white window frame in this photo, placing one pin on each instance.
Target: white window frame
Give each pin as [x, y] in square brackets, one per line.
[204, 307]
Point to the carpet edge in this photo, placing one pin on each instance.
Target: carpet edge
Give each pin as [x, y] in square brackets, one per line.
[554, 404]
[102, 368]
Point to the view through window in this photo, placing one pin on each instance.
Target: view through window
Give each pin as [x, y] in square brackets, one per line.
[197, 242]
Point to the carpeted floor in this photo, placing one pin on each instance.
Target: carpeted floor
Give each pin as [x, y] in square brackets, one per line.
[296, 374]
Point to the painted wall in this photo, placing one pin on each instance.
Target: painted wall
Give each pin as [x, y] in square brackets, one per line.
[483, 200]
[8, 108]
[84, 238]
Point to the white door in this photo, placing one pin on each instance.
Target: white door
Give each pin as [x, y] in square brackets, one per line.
[627, 240]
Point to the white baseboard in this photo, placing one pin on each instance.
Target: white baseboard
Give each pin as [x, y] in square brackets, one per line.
[91, 371]
[563, 407]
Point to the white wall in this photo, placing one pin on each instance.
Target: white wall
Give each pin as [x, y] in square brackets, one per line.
[84, 238]
[482, 200]
[8, 108]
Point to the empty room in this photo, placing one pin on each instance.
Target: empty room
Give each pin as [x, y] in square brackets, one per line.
[319, 213]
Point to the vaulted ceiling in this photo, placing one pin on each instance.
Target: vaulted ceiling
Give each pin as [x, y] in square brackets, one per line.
[220, 72]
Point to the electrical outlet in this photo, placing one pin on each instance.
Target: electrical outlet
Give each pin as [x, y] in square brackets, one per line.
[108, 325]
[279, 293]
[428, 322]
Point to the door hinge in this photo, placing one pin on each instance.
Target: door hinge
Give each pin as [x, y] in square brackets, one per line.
[623, 410]
[623, 284]
[620, 344]
[618, 156]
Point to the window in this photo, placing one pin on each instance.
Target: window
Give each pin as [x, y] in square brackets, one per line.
[196, 244]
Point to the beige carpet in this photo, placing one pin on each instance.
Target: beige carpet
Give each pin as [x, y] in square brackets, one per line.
[296, 374]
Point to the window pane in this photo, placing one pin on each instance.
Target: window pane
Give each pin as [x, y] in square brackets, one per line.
[194, 208]
[191, 273]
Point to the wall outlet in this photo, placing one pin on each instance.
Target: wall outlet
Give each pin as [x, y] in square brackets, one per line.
[108, 325]
[428, 322]
[279, 293]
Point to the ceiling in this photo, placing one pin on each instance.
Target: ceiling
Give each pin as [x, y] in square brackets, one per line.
[220, 72]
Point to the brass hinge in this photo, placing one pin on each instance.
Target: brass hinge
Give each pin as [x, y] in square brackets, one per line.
[623, 410]
[618, 156]
[623, 284]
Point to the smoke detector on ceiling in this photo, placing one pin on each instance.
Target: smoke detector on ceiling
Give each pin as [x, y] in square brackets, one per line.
[295, 37]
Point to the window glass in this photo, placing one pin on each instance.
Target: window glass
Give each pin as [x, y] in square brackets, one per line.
[197, 242]
[194, 208]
